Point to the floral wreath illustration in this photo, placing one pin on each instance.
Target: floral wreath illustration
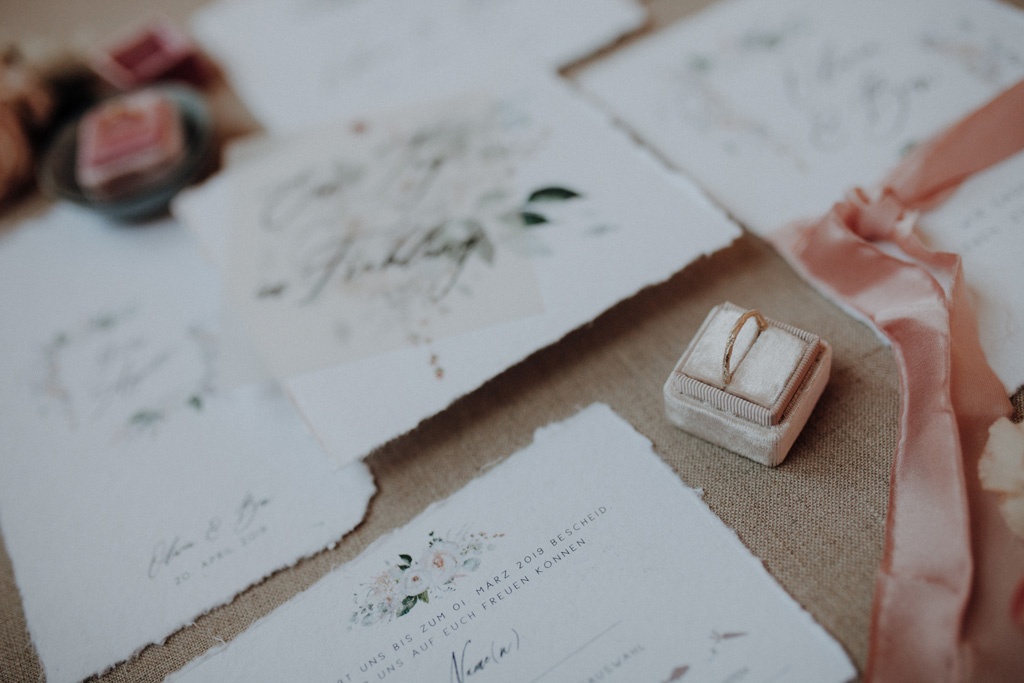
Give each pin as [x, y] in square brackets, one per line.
[396, 590]
[123, 377]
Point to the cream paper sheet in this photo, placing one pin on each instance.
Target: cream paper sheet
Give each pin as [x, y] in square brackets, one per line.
[580, 558]
[137, 491]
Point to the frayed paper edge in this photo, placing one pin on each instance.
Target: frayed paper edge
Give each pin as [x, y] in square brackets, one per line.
[541, 435]
[51, 676]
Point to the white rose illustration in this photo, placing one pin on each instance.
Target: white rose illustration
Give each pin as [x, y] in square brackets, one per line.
[416, 581]
[442, 562]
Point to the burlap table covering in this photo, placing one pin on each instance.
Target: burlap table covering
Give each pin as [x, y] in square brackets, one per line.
[817, 522]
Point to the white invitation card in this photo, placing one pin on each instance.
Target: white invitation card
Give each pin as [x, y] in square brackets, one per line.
[983, 222]
[385, 266]
[779, 107]
[580, 558]
[136, 491]
[299, 62]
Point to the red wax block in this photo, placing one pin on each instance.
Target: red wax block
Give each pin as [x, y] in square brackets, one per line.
[128, 143]
[158, 50]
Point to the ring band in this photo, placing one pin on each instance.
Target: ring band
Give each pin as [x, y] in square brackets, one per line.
[762, 325]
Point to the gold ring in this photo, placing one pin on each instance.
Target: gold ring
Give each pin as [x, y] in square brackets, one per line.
[762, 325]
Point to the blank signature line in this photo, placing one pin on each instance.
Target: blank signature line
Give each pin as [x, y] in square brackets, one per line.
[575, 652]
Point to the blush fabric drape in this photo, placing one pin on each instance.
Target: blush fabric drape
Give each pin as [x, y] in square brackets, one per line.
[942, 598]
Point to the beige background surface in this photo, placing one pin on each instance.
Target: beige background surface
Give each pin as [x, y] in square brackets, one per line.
[817, 521]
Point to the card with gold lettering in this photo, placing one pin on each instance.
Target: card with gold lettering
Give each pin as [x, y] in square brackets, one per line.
[580, 558]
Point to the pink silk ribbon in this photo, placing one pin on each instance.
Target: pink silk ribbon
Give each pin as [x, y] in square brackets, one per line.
[921, 627]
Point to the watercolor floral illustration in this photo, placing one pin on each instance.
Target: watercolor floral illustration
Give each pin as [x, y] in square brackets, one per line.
[403, 227]
[109, 370]
[409, 580]
[532, 211]
[400, 227]
[420, 228]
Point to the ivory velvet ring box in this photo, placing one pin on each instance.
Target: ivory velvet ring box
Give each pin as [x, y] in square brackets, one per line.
[748, 383]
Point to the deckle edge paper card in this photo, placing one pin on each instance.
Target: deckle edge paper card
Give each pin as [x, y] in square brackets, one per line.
[622, 574]
[136, 492]
[391, 235]
[422, 253]
[983, 222]
[301, 62]
[778, 109]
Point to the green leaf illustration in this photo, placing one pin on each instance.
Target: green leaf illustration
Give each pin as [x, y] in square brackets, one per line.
[407, 604]
[424, 596]
[144, 418]
[530, 218]
[552, 194]
[406, 558]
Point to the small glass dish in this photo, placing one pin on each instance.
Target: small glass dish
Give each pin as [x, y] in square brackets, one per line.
[57, 170]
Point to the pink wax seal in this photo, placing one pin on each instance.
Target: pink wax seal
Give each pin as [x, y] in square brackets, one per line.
[128, 143]
[158, 50]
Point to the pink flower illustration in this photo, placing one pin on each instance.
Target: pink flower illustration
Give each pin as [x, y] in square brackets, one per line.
[442, 561]
[398, 588]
